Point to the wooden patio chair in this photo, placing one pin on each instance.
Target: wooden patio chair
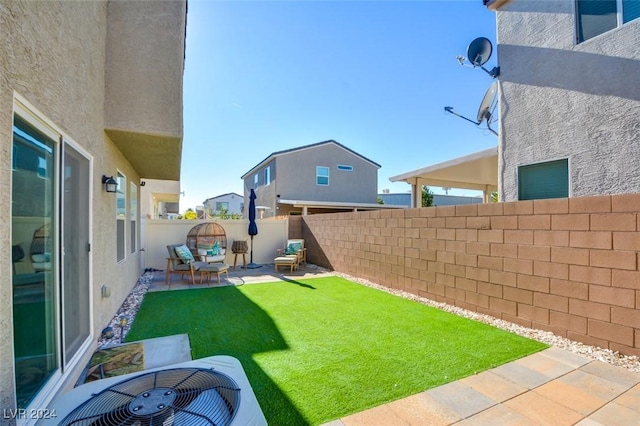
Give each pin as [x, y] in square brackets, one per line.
[177, 265]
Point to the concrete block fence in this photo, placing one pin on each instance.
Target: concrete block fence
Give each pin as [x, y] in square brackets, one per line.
[569, 266]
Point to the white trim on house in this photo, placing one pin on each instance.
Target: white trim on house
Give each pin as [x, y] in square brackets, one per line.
[305, 205]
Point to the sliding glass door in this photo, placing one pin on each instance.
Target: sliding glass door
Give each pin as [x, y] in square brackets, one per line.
[50, 231]
[75, 251]
[34, 226]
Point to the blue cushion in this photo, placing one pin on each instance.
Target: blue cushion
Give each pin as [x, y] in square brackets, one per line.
[293, 248]
[184, 254]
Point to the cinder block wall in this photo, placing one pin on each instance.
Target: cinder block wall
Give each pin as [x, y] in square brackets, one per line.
[295, 226]
[569, 266]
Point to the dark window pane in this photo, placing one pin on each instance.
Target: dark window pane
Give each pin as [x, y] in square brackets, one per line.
[33, 228]
[595, 17]
[119, 240]
[630, 10]
[544, 180]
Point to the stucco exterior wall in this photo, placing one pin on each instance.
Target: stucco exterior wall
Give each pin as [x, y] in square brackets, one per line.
[144, 64]
[559, 99]
[266, 195]
[297, 176]
[144, 92]
[155, 192]
[53, 56]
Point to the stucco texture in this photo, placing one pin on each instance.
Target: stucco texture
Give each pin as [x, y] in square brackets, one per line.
[560, 99]
[55, 60]
[53, 57]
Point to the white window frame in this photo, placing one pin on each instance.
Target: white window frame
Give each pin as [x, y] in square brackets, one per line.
[255, 181]
[133, 217]
[37, 119]
[619, 20]
[267, 176]
[318, 175]
[122, 180]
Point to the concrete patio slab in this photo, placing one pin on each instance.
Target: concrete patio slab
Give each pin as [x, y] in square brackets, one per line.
[461, 399]
[518, 373]
[594, 385]
[571, 397]
[495, 387]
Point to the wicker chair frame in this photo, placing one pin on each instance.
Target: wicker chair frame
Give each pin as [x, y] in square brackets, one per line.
[206, 233]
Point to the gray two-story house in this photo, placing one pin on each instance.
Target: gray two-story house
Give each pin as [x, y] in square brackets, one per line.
[569, 97]
[321, 177]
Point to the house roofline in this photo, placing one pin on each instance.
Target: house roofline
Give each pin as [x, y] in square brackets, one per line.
[302, 148]
[223, 195]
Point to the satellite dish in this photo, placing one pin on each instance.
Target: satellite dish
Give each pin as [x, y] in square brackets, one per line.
[479, 51]
[484, 111]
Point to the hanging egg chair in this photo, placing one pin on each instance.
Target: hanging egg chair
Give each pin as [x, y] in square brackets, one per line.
[205, 235]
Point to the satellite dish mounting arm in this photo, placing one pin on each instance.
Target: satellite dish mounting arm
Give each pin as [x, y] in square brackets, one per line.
[450, 110]
[495, 71]
[477, 123]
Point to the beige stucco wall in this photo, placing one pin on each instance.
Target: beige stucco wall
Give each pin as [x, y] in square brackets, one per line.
[157, 191]
[144, 64]
[53, 55]
[559, 99]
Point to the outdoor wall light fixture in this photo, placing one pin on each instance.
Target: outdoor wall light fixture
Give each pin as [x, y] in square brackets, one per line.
[110, 184]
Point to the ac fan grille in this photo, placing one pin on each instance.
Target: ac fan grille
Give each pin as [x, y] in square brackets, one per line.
[179, 396]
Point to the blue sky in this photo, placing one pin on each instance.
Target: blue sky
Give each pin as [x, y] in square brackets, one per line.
[263, 76]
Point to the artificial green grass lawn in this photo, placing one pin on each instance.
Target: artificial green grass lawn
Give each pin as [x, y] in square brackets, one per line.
[319, 349]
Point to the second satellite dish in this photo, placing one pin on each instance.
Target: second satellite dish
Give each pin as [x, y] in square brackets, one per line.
[487, 104]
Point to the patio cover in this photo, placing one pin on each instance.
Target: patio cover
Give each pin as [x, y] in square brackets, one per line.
[477, 171]
[336, 205]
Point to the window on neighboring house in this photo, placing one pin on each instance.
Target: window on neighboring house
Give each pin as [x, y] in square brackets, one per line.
[255, 181]
[222, 205]
[322, 176]
[345, 168]
[543, 180]
[121, 216]
[595, 17]
[133, 216]
[267, 175]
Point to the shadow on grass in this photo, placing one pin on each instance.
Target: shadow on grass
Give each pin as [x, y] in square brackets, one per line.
[221, 321]
[301, 284]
